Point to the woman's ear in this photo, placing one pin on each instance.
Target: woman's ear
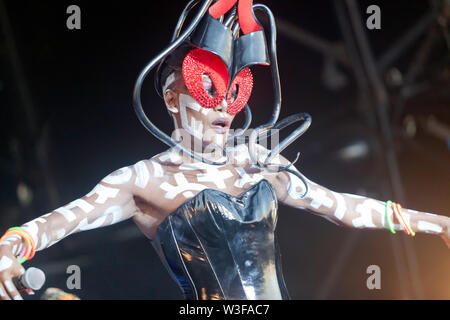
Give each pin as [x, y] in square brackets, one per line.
[170, 98]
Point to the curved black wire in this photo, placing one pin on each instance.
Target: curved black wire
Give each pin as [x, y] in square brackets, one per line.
[273, 124]
[137, 103]
[232, 17]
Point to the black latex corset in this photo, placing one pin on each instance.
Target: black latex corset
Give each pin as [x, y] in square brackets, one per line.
[218, 246]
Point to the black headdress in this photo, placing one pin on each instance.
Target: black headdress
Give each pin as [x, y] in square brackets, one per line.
[216, 28]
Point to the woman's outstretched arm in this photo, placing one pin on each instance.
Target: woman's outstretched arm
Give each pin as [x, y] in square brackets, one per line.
[110, 201]
[353, 210]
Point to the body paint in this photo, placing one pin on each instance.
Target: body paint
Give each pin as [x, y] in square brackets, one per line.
[341, 207]
[246, 178]
[5, 263]
[182, 185]
[104, 193]
[120, 176]
[158, 171]
[172, 155]
[195, 128]
[365, 209]
[212, 173]
[428, 227]
[79, 203]
[142, 174]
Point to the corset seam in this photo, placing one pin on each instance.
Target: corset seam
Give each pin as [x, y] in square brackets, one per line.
[182, 260]
[206, 255]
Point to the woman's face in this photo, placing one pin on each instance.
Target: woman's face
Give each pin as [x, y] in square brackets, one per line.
[208, 125]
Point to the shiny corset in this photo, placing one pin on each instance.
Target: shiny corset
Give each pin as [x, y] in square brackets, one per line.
[219, 246]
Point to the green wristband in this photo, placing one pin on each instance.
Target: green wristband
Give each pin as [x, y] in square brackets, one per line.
[389, 202]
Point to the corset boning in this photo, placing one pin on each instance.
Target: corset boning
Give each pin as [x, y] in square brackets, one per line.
[219, 246]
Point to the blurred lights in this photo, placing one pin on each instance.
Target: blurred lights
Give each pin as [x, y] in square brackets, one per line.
[356, 150]
[394, 77]
[410, 126]
[24, 194]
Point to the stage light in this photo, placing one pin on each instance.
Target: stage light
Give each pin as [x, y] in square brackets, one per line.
[356, 150]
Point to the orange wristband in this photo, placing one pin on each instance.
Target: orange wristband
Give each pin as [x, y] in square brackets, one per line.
[29, 242]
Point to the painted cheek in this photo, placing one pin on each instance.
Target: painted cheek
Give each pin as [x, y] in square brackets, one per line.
[192, 124]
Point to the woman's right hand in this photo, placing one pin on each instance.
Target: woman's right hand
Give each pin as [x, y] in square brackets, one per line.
[9, 268]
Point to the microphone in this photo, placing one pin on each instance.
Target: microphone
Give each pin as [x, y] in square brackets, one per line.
[33, 279]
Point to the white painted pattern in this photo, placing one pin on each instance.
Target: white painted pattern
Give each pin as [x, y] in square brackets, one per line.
[170, 79]
[44, 242]
[428, 227]
[33, 229]
[211, 174]
[79, 203]
[104, 193]
[182, 186]
[2, 293]
[67, 214]
[5, 243]
[60, 233]
[354, 196]
[59, 236]
[246, 178]
[5, 263]
[142, 174]
[118, 177]
[9, 285]
[240, 153]
[188, 194]
[195, 128]
[341, 207]
[84, 225]
[158, 171]
[319, 198]
[116, 212]
[172, 155]
[365, 210]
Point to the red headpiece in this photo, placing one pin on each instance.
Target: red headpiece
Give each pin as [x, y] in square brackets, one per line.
[199, 62]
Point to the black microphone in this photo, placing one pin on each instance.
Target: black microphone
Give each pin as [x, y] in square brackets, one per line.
[33, 278]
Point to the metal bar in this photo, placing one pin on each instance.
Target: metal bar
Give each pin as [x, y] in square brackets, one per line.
[405, 41]
[356, 64]
[320, 45]
[382, 103]
[28, 109]
[367, 63]
[363, 84]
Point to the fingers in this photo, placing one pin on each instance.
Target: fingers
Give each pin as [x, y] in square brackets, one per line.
[446, 240]
[9, 269]
[11, 290]
[3, 295]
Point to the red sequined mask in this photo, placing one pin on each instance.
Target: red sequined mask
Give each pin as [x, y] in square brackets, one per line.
[200, 62]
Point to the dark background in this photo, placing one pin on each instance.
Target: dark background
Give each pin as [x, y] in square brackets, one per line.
[66, 121]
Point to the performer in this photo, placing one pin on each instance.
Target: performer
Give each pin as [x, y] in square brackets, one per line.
[210, 209]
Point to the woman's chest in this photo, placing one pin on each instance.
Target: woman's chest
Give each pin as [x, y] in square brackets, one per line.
[177, 186]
